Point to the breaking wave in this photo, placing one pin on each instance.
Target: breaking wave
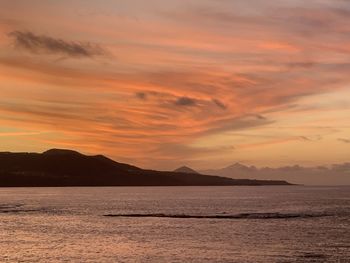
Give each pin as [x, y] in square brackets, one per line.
[15, 208]
[229, 216]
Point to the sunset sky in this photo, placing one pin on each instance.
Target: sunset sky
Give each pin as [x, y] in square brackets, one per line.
[162, 83]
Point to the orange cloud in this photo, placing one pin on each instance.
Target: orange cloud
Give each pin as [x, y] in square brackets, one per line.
[173, 74]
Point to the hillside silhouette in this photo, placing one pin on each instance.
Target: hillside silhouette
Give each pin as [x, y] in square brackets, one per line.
[57, 167]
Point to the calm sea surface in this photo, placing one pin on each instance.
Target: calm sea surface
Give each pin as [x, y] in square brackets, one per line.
[258, 224]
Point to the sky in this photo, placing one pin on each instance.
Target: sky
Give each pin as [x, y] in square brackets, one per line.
[161, 83]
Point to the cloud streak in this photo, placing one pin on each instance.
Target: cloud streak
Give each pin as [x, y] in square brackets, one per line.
[219, 104]
[45, 44]
[185, 101]
[344, 140]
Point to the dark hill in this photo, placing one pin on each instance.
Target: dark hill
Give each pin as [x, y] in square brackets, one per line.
[69, 168]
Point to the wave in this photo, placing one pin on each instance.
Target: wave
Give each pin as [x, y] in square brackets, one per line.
[9, 206]
[15, 208]
[229, 216]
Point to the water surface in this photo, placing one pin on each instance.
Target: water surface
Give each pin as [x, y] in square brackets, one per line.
[201, 224]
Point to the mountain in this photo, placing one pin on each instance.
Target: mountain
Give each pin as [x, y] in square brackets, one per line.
[185, 170]
[335, 174]
[233, 170]
[57, 167]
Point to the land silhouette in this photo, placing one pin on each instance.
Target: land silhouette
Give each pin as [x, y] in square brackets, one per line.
[321, 175]
[60, 167]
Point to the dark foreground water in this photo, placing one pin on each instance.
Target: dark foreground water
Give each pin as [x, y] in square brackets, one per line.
[175, 224]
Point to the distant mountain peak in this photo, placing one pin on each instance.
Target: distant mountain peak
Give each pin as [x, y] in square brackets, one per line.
[185, 169]
[237, 166]
[61, 152]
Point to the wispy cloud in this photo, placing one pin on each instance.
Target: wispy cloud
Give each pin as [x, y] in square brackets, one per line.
[141, 95]
[219, 104]
[45, 44]
[185, 101]
[344, 140]
[15, 134]
[312, 138]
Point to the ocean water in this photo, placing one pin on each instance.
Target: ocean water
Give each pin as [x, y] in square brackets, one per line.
[175, 224]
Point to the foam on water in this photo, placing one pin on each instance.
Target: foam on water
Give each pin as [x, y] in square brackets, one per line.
[228, 216]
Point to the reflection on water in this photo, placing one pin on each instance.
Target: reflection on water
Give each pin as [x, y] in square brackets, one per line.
[175, 224]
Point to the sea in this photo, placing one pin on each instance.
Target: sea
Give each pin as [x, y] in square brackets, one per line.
[175, 224]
